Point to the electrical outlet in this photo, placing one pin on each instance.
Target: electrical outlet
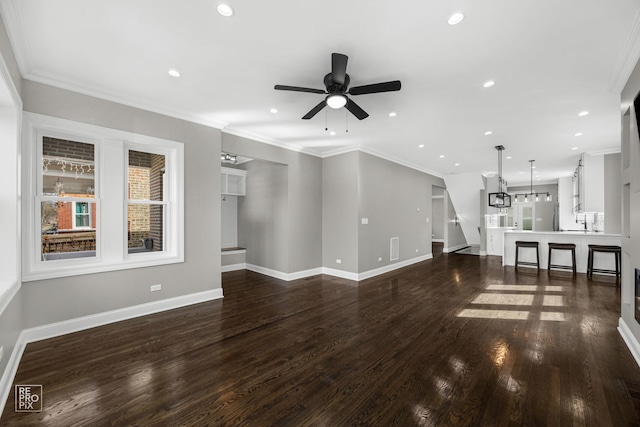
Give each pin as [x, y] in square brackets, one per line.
[379, 259]
[417, 250]
[365, 221]
[155, 288]
[339, 261]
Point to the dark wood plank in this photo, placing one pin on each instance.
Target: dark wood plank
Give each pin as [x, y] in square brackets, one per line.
[391, 350]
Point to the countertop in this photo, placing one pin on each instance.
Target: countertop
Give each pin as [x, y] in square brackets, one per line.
[566, 233]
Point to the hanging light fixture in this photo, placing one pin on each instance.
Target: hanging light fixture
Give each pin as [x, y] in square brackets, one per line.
[535, 196]
[500, 199]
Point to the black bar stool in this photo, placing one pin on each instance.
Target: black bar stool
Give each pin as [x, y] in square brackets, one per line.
[563, 247]
[616, 250]
[526, 244]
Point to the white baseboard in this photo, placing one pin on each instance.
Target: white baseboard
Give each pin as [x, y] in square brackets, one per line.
[334, 272]
[391, 267]
[455, 248]
[629, 339]
[86, 322]
[234, 267]
[376, 271]
[340, 273]
[437, 240]
[305, 273]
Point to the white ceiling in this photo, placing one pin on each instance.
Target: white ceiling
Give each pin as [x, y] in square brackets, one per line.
[549, 59]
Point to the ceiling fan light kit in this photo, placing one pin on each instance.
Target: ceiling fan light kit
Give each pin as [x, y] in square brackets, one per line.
[337, 88]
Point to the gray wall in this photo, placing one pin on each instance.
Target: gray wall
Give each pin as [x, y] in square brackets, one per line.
[397, 201]
[55, 300]
[630, 183]
[340, 212]
[543, 209]
[454, 236]
[437, 218]
[304, 196]
[263, 216]
[612, 194]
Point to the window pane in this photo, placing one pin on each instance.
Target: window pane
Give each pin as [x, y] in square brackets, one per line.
[146, 175]
[68, 168]
[145, 226]
[61, 238]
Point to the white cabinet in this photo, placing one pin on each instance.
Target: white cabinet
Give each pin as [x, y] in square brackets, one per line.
[233, 182]
[588, 184]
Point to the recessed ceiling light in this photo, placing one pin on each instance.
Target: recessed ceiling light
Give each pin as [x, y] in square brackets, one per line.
[174, 73]
[578, 134]
[421, 146]
[521, 173]
[456, 164]
[533, 167]
[455, 19]
[393, 114]
[488, 132]
[332, 133]
[442, 156]
[583, 113]
[574, 148]
[489, 83]
[224, 10]
[539, 179]
[273, 110]
[508, 157]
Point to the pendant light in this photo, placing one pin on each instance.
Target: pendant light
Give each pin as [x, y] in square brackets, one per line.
[500, 199]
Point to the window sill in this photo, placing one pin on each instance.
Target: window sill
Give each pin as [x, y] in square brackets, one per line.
[82, 268]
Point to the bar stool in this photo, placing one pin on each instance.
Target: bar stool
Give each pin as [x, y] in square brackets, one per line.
[563, 247]
[616, 250]
[526, 244]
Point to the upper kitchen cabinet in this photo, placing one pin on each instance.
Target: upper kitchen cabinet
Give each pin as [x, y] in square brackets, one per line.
[588, 184]
[233, 182]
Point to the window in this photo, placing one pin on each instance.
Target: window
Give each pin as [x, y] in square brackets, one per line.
[68, 175]
[146, 204]
[99, 199]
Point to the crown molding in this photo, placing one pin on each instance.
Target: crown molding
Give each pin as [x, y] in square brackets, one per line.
[231, 130]
[100, 94]
[17, 36]
[604, 152]
[628, 59]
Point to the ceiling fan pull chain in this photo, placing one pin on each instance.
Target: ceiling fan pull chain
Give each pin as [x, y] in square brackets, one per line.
[326, 121]
[346, 119]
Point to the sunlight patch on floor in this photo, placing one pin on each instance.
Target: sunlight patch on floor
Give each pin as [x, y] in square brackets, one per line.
[528, 288]
[550, 288]
[551, 316]
[504, 299]
[495, 314]
[553, 301]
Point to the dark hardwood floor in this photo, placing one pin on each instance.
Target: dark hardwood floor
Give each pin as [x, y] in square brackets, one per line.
[457, 340]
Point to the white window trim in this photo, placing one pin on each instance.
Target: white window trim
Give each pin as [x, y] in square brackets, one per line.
[110, 194]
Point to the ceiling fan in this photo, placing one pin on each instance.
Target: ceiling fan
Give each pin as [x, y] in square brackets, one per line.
[337, 89]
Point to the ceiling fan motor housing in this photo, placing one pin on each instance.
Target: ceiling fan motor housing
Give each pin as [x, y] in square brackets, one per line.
[333, 87]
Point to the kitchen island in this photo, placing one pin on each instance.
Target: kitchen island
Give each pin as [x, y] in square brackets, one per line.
[582, 240]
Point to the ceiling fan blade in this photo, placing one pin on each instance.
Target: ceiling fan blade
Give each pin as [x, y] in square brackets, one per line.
[315, 110]
[376, 88]
[299, 89]
[338, 67]
[356, 110]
